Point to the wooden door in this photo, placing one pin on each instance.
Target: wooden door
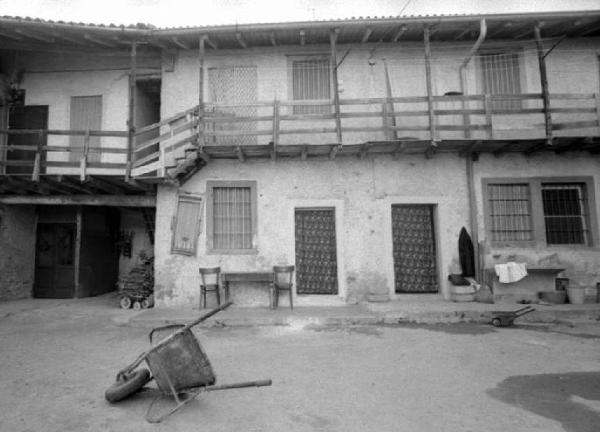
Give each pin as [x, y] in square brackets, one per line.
[55, 261]
[26, 117]
[316, 256]
[413, 240]
[86, 114]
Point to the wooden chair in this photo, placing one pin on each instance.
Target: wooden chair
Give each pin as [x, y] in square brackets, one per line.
[210, 281]
[283, 277]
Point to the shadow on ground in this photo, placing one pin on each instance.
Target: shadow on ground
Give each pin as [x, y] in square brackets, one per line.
[572, 399]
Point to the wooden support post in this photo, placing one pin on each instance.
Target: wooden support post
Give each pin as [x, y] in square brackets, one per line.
[489, 120]
[37, 164]
[275, 128]
[390, 118]
[132, 109]
[201, 53]
[333, 34]
[544, 81]
[304, 153]
[77, 261]
[597, 98]
[432, 131]
[84, 156]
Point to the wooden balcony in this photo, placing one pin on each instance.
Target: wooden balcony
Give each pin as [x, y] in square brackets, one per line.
[455, 123]
[121, 163]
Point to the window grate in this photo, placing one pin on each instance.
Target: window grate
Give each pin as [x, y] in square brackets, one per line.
[311, 81]
[510, 212]
[565, 215]
[232, 218]
[501, 76]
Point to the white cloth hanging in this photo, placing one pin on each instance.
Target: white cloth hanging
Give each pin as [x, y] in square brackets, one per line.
[510, 271]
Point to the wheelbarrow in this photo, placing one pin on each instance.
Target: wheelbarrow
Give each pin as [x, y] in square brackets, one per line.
[506, 318]
[179, 366]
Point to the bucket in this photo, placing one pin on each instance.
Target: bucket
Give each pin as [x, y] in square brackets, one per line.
[576, 295]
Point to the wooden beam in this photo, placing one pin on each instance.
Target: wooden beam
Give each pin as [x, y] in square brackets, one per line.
[333, 35]
[367, 35]
[10, 36]
[275, 125]
[103, 186]
[399, 33]
[302, 37]
[589, 30]
[201, 55]
[470, 148]
[364, 150]
[502, 148]
[333, 151]
[431, 150]
[241, 40]
[132, 109]
[73, 40]
[210, 43]
[544, 82]
[91, 200]
[426, 36]
[180, 44]
[272, 38]
[463, 33]
[76, 185]
[240, 154]
[98, 41]
[47, 39]
[400, 147]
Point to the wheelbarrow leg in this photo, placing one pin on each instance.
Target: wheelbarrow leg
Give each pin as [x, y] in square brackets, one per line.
[193, 395]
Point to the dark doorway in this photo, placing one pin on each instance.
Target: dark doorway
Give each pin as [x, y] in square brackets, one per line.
[316, 257]
[147, 112]
[55, 261]
[26, 117]
[413, 240]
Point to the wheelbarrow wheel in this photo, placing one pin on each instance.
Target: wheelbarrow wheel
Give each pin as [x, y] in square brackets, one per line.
[125, 302]
[127, 385]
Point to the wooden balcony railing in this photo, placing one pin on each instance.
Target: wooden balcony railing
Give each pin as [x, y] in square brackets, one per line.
[159, 146]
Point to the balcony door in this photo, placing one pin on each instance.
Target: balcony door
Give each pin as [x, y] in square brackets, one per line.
[86, 114]
[26, 117]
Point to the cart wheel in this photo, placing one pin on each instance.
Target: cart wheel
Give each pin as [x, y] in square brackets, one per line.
[127, 385]
[137, 305]
[496, 322]
[145, 304]
[125, 302]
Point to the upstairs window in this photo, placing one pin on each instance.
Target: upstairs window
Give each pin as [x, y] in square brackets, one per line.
[311, 81]
[510, 212]
[565, 215]
[500, 75]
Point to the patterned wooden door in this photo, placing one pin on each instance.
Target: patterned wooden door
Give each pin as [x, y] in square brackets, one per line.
[414, 249]
[316, 263]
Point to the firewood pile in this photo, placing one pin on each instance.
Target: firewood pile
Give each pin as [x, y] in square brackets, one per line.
[138, 285]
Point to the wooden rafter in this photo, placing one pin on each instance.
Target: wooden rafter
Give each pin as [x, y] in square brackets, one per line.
[180, 43]
[367, 35]
[463, 33]
[98, 41]
[400, 32]
[210, 43]
[28, 34]
[10, 36]
[240, 39]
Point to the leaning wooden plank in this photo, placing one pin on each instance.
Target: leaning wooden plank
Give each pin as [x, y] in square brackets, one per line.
[166, 121]
[146, 159]
[145, 169]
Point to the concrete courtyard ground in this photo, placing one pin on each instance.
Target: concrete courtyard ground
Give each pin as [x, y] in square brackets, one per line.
[58, 356]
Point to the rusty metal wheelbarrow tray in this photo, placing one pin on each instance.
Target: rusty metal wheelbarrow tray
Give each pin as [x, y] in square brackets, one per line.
[506, 318]
[180, 367]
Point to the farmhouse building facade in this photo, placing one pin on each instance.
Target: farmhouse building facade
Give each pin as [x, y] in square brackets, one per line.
[355, 150]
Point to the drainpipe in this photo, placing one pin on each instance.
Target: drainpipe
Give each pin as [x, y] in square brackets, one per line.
[469, 157]
[463, 74]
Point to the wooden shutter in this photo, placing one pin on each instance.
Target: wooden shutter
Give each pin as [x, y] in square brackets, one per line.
[186, 225]
[86, 113]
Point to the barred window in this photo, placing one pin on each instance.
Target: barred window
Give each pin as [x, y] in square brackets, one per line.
[500, 75]
[311, 81]
[565, 215]
[510, 212]
[231, 214]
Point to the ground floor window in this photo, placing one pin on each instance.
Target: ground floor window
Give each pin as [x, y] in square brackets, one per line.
[554, 211]
[231, 216]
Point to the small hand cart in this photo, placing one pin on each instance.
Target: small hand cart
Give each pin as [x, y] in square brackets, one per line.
[506, 318]
[179, 366]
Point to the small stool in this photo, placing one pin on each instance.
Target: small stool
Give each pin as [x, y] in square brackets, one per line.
[210, 281]
[283, 277]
